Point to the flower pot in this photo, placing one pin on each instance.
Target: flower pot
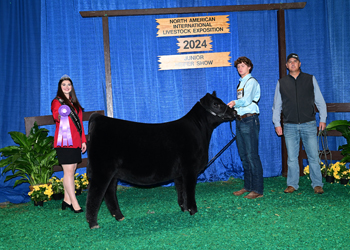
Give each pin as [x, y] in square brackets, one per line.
[78, 192]
[344, 181]
[57, 197]
[329, 179]
[39, 203]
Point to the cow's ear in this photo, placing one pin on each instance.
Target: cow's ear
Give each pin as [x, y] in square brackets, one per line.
[214, 93]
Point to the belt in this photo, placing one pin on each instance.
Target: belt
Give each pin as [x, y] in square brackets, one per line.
[245, 116]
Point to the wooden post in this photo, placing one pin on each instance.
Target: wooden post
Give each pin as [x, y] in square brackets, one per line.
[283, 72]
[108, 73]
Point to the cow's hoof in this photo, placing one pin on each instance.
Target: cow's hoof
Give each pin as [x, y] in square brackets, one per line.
[120, 219]
[94, 227]
[192, 211]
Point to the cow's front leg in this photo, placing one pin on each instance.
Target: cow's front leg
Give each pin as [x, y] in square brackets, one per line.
[179, 189]
[93, 201]
[189, 189]
[111, 200]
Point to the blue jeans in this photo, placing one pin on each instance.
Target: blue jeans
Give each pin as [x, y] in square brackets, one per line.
[248, 148]
[307, 132]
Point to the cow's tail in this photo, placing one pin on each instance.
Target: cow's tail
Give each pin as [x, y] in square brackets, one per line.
[91, 128]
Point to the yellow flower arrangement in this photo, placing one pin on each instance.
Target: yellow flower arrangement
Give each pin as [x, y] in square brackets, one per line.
[57, 185]
[81, 181]
[41, 192]
[345, 174]
[77, 181]
[330, 170]
[322, 166]
[338, 170]
[84, 181]
[323, 169]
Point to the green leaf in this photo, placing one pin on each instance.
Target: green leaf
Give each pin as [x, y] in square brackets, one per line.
[11, 163]
[10, 150]
[5, 162]
[17, 174]
[346, 159]
[20, 181]
[20, 139]
[36, 134]
[345, 148]
[334, 124]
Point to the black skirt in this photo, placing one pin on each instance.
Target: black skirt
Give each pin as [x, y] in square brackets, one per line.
[68, 155]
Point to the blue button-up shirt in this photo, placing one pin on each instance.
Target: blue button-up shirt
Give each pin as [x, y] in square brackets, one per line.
[245, 104]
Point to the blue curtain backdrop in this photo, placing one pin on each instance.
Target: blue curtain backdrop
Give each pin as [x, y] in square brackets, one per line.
[43, 40]
[20, 77]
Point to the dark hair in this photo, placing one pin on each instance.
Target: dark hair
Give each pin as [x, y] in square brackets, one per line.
[72, 95]
[244, 60]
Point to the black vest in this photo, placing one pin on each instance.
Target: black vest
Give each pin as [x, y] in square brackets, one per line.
[298, 98]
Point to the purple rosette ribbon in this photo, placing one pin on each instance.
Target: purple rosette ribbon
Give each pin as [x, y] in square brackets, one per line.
[64, 134]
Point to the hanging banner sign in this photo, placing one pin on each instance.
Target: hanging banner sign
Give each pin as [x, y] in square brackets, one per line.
[188, 26]
[194, 44]
[192, 61]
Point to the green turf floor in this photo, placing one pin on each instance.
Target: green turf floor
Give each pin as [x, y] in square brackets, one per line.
[153, 220]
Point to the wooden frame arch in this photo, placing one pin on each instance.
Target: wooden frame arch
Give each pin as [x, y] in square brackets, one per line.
[280, 7]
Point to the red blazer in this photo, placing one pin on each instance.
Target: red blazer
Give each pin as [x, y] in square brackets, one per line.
[77, 140]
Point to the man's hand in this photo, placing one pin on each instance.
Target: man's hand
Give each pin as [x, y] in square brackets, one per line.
[231, 104]
[322, 126]
[279, 131]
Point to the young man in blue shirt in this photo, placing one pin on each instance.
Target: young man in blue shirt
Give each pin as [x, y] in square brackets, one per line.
[248, 128]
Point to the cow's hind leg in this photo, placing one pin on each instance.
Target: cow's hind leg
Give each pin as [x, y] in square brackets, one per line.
[179, 189]
[111, 200]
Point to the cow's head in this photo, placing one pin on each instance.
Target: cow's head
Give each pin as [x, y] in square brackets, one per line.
[217, 107]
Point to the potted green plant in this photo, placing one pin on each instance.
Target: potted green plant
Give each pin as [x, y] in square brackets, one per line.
[81, 183]
[330, 173]
[32, 159]
[341, 173]
[343, 127]
[57, 188]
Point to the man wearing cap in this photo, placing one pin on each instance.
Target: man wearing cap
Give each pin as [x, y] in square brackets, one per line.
[295, 95]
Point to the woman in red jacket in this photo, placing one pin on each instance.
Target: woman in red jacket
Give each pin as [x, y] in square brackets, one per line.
[68, 150]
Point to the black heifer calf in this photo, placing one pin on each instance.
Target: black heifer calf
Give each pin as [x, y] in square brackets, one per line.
[147, 154]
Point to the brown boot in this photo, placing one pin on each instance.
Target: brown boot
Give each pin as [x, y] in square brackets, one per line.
[253, 195]
[240, 192]
[318, 190]
[289, 189]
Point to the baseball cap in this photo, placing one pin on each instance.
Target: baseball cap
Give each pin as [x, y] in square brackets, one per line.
[293, 55]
